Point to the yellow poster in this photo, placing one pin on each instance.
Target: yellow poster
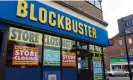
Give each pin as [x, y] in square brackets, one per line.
[26, 36]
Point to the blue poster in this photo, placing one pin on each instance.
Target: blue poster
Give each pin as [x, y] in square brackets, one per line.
[51, 57]
[51, 75]
[97, 68]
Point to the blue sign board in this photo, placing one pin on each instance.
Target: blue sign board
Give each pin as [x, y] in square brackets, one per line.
[38, 15]
[97, 68]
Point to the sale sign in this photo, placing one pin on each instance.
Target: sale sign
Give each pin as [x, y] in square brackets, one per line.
[69, 59]
[25, 55]
[51, 57]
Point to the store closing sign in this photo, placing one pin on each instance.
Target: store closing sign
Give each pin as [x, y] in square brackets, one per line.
[66, 44]
[52, 41]
[25, 36]
[24, 55]
[69, 59]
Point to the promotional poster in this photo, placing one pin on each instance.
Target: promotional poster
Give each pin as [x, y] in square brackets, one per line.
[69, 59]
[51, 57]
[25, 55]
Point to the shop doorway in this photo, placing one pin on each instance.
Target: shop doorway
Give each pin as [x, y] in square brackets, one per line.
[1, 42]
[83, 65]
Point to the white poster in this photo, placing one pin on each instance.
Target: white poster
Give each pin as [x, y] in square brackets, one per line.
[52, 77]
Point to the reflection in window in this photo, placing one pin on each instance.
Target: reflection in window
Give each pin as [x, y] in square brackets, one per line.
[82, 45]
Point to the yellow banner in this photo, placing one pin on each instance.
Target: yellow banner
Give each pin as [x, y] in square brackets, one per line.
[95, 49]
[66, 44]
[51, 41]
[26, 36]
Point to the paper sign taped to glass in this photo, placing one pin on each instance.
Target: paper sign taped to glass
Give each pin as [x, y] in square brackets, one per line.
[51, 57]
[69, 59]
[25, 55]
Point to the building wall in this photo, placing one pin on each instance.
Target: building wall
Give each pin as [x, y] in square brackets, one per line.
[76, 14]
[88, 8]
[115, 49]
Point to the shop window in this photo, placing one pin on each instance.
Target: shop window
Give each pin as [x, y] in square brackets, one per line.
[84, 62]
[23, 48]
[51, 55]
[68, 53]
[96, 57]
[83, 55]
[81, 45]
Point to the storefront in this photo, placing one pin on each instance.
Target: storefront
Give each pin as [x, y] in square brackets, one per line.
[117, 63]
[39, 42]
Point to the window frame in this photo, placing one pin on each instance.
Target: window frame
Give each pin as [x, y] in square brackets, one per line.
[93, 2]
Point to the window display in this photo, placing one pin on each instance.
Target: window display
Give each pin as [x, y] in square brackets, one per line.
[97, 68]
[24, 48]
[51, 51]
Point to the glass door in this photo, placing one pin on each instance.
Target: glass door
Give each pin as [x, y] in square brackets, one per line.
[84, 70]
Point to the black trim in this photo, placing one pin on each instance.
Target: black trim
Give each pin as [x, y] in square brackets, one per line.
[42, 58]
[61, 59]
[103, 63]
[4, 52]
[76, 60]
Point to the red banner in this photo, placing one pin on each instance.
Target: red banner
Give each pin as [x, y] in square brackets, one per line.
[69, 59]
[25, 55]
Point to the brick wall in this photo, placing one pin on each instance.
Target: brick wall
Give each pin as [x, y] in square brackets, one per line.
[114, 50]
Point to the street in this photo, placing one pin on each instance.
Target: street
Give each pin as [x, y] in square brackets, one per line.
[119, 78]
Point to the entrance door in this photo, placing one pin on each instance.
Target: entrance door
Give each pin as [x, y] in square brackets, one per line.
[1, 42]
[83, 69]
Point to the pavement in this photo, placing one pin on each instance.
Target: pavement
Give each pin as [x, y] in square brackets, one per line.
[119, 78]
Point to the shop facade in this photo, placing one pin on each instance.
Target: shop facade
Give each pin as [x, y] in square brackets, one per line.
[120, 63]
[40, 42]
